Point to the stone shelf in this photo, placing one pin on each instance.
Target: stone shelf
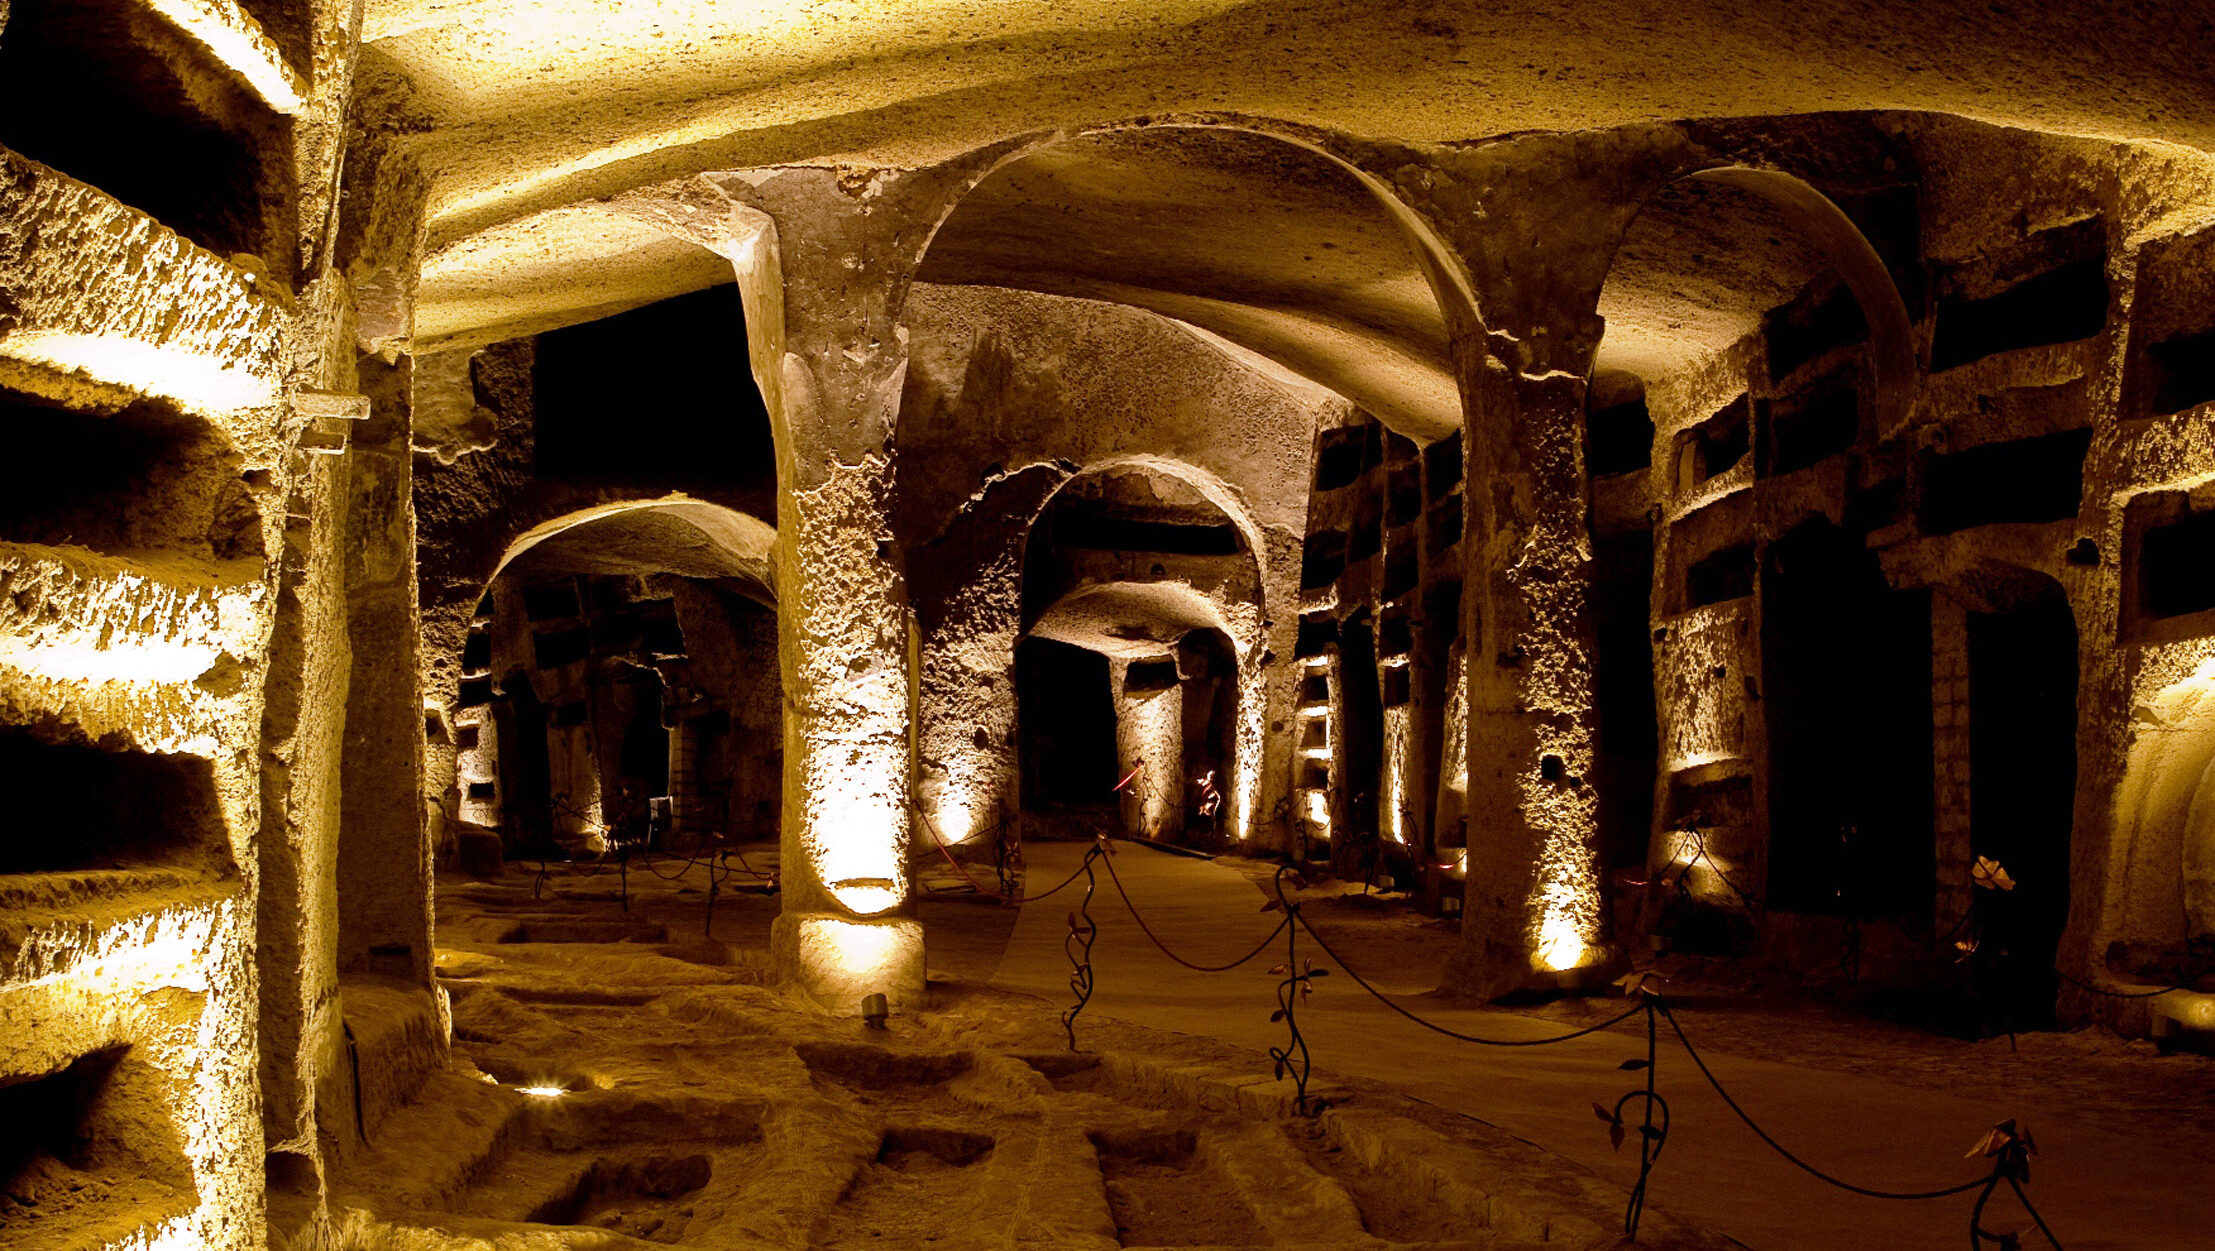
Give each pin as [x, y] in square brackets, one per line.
[109, 305]
[237, 41]
[138, 649]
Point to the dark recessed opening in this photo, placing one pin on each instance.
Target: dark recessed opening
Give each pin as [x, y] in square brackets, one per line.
[1315, 687]
[1398, 448]
[616, 632]
[1066, 718]
[2062, 305]
[1323, 559]
[87, 1158]
[660, 396]
[1442, 465]
[1618, 439]
[1803, 330]
[1445, 525]
[1811, 426]
[1716, 445]
[2176, 567]
[476, 653]
[1149, 675]
[1723, 575]
[1366, 537]
[1337, 457]
[2184, 372]
[557, 602]
[142, 479]
[1404, 495]
[561, 647]
[2039, 479]
[78, 808]
[1316, 633]
[661, 636]
[483, 791]
[1400, 572]
[1395, 686]
[113, 95]
[474, 692]
[1080, 527]
[1395, 635]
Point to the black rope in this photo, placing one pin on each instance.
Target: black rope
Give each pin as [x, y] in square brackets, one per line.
[1780, 1149]
[2189, 987]
[1155, 939]
[1434, 1027]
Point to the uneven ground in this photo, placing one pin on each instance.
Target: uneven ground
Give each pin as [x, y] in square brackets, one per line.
[701, 1109]
[620, 1080]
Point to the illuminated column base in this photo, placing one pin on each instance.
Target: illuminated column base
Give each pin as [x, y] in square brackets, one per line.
[837, 961]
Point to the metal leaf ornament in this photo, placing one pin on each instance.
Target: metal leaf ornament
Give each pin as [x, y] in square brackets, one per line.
[1990, 874]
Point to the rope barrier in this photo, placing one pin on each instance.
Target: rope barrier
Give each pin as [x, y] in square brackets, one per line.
[2006, 1145]
[1155, 939]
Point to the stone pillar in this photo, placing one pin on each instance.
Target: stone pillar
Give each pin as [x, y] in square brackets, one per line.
[384, 854]
[1149, 747]
[1533, 906]
[824, 261]
[1949, 702]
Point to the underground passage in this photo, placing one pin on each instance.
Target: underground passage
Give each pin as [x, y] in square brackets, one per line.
[772, 625]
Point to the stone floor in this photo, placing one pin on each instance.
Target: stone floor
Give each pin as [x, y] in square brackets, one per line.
[698, 1108]
[2124, 1134]
[623, 1080]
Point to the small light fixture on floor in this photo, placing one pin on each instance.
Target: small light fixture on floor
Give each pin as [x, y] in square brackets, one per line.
[874, 1010]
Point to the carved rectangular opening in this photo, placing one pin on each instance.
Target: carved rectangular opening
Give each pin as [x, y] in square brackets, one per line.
[87, 1157]
[1323, 559]
[2039, 479]
[561, 647]
[1809, 328]
[2183, 372]
[1715, 446]
[2176, 567]
[1401, 572]
[1618, 439]
[2062, 305]
[1445, 525]
[114, 96]
[81, 809]
[1810, 427]
[1145, 676]
[1721, 575]
[1442, 465]
[554, 602]
[1404, 496]
[1366, 538]
[1338, 457]
[1316, 633]
[144, 478]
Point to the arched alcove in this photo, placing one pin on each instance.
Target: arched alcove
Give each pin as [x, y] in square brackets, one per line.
[620, 656]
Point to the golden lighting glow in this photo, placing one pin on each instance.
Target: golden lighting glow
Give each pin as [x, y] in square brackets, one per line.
[193, 379]
[1561, 944]
[542, 1092]
[248, 52]
[862, 954]
[150, 661]
[1399, 747]
[867, 897]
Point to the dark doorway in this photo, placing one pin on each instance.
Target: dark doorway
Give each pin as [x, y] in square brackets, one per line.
[1360, 749]
[1065, 714]
[1210, 671]
[526, 769]
[1846, 696]
[2022, 785]
[1623, 695]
